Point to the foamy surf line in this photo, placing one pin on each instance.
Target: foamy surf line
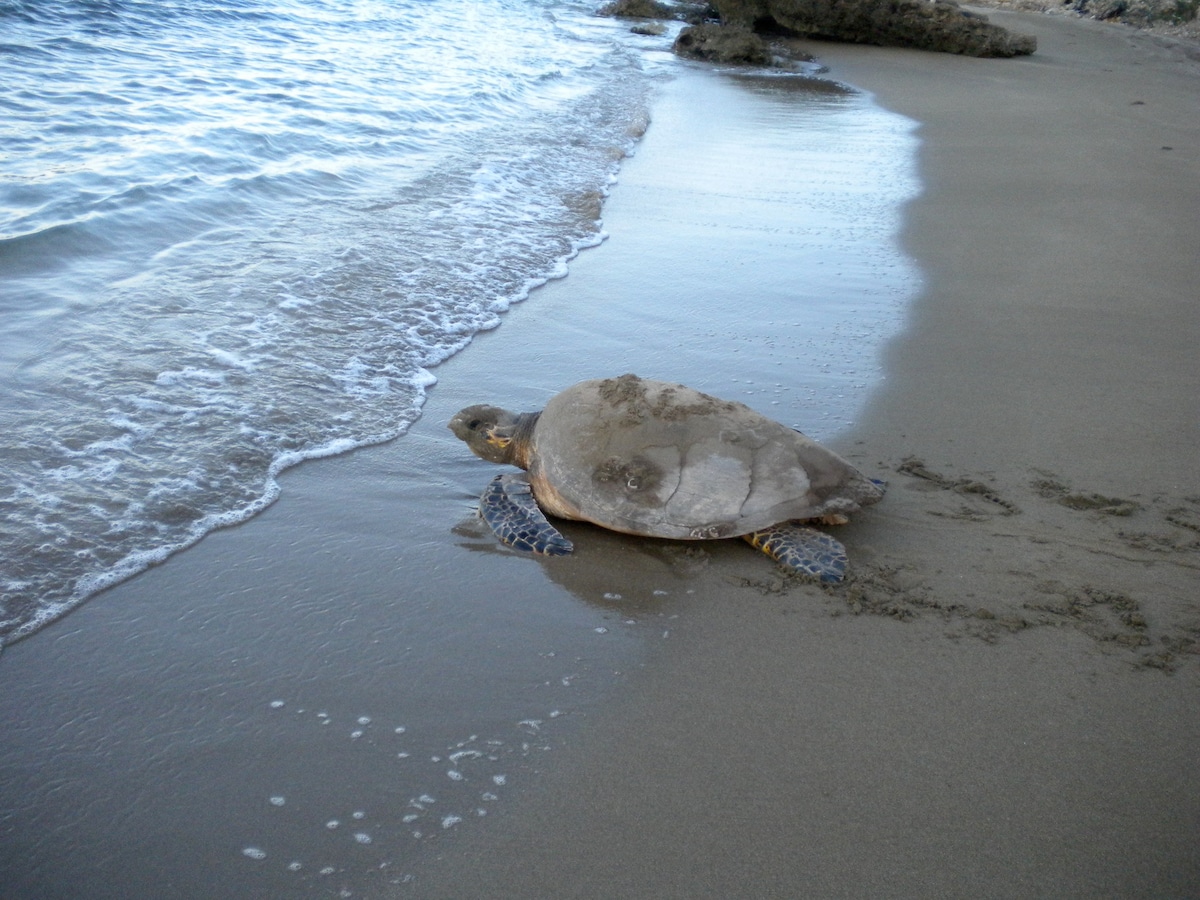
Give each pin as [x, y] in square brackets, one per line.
[138, 561]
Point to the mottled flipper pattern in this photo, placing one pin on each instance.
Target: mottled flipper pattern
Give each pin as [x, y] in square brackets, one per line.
[806, 550]
[509, 508]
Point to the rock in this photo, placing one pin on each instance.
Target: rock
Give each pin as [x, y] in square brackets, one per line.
[940, 25]
[694, 11]
[636, 9]
[722, 44]
[1139, 12]
[1106, 9]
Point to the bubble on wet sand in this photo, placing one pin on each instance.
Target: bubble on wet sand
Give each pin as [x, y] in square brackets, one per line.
[472, 765]
[277, 704]
[295, 865]
[254, 853]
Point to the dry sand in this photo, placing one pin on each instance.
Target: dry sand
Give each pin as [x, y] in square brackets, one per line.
[1001, 702]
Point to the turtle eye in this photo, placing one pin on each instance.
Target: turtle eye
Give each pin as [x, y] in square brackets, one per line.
[474, 424]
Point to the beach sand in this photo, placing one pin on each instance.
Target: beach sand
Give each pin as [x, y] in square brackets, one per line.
[1001, 700]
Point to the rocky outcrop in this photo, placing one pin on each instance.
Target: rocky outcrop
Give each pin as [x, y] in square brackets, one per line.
[723, 44]
[939, 25]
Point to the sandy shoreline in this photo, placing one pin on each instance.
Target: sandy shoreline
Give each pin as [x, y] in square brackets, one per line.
[1016, 719]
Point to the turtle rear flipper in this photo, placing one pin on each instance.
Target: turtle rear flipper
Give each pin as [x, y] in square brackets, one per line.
[510, 510]
[804, 550]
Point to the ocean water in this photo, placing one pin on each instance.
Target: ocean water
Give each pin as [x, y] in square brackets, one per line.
[235, 235]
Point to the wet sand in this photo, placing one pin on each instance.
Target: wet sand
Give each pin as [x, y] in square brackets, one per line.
[999, 702]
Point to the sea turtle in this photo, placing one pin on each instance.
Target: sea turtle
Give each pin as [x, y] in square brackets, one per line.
[658, 459]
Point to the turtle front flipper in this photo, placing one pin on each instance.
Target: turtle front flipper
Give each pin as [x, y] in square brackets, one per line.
[509, 508]
[804, 550]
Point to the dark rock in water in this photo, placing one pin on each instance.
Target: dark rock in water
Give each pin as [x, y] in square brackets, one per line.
[723, 44]
[652, 29]
[685, 10]
[940, 25]
[636, 9]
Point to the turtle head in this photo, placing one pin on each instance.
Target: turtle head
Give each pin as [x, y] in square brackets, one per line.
[495, 434]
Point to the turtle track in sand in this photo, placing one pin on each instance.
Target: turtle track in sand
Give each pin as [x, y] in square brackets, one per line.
[1032, 554]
